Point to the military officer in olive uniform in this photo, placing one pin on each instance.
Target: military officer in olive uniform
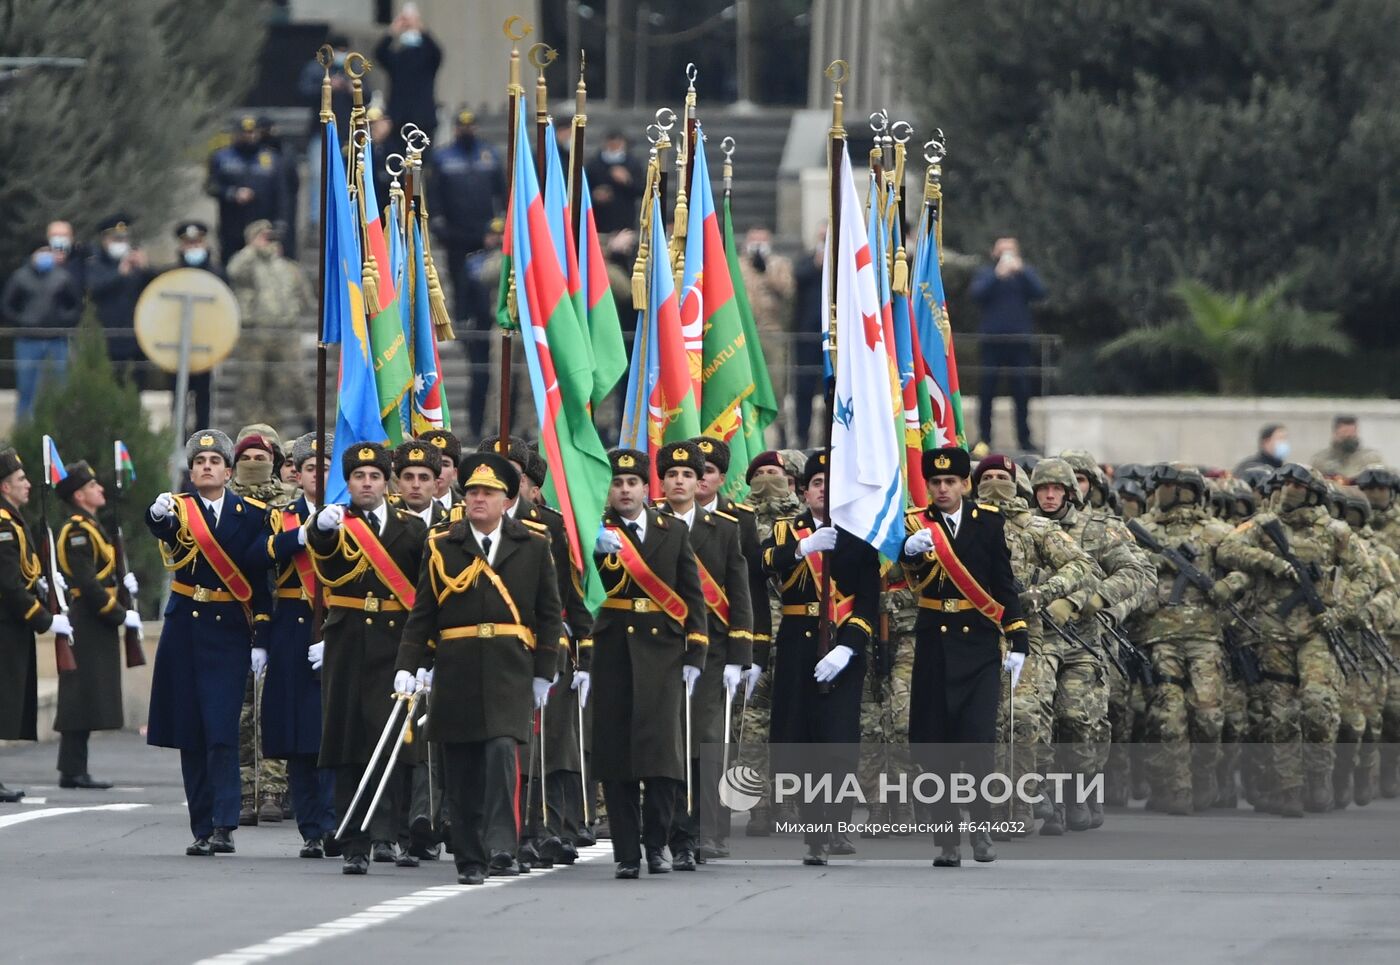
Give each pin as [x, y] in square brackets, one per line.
[649, 644]
[449, 447]
[367, 556]
[22, 612]
[89, 696]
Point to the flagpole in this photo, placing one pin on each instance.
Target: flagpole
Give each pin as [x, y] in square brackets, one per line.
[541, 56]
[326, 57]
[514, 91]
[64, 660]
[580, 125]
[685, 162]
[837, 73]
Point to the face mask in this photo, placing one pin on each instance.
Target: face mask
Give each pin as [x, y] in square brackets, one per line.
[411, 38]
[1281, 450]
[341, 58]
[117, 250]
[1350, 444]
[1290, 499]
[996, 490]
[196, 256]
[252, 472]
[43, 262]
[768, 487]
[60, 242]
[613, 157]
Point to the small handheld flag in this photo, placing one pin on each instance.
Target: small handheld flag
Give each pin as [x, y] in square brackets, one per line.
[126, 469]
[54, 473]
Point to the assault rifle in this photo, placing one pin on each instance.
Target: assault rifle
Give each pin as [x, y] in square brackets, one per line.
[1308, 575]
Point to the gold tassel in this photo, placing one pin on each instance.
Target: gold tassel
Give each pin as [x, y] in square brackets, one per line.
[437, 304]
[899, 284]
[369, 281]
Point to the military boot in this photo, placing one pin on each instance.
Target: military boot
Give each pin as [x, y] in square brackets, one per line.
[879, 815]
[1318, 794]
[270, 810]
[1226, 797]
[1177, 802]
[1390, 771]
[248, 812]
[1287, 803]
[902, 816]
[1363, 782]
[1116, 792]
[1203, 795]
[1043, 809]
[1141, 787]
[760, 822]
[1054, 825]
[1078, 816]
[1095, 814]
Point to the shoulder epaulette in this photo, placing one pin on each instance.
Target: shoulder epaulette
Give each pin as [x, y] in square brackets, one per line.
[4, 514]
[732, 519]
[534, 525]
[548, 511]
[437, 532]
[660, 520]
[989, 507]
[743, 507]
[255, 503]
[408, 514]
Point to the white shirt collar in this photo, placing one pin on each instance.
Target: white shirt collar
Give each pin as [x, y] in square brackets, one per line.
[494, 536]
[955, 516]
[216, 506]
[513, 509]
[379, 515]
[427, 514]
[445, 500]
[712, 506]
[640, 522]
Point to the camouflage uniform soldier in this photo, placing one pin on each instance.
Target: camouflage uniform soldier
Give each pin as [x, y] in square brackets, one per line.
[1182, 632]
[772, 499]
[1240, 506]
[1037, 546]
[256, 456]
[1363, 701]
[1081, 697]
[1296, 707]
[1380, 487]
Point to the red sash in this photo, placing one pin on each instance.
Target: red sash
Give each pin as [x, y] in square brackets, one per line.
[645, 577]
[213, 553]
[966, 583]
[301, 559]
[379, 558]
[841, 606]
[715, 597]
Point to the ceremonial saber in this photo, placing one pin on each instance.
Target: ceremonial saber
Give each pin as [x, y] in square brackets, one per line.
[689, 799]
[257, 741]
[393, 759]
[544, 814]
[583, 767]
[728, 721]
[369, 769]
[1011, 737]
[529, 779]
[743, 719]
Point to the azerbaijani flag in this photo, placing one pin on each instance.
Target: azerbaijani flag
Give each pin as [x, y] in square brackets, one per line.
[561, 374]
[929, 306]
[357, 401]
[429, 403]
[121, 460]
[913, 383]
[54, 473]
[660, 404]
[393, 372]
[604, 323]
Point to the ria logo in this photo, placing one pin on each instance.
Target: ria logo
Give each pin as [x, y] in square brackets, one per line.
[741, 787]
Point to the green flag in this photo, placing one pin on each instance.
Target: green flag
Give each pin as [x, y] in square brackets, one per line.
[759, 408]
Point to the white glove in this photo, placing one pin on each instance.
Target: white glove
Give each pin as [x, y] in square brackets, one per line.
[41, 588]
[163, 506]
[751, 680]
[332, 517]
[690, 674]
[833, 663]
[316, 654]
[301, 533]
[132, 620]
[129, 581]
[542, 691]
[583, 682]
[405, 682]
[259, 661]
[823, 539]
[608, 542]
[1012, 664]
[61, 583]
[733, 674]
[428, 679]
[60, 626]
[423, 678]
[919, 544]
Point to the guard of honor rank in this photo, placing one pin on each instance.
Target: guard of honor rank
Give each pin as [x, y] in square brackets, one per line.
[1191, 640]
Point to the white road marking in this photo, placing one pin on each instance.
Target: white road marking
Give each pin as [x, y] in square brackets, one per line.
[385, 911]
[34, 800]
[11, 819]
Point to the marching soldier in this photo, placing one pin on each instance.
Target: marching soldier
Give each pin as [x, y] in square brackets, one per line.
[697, 834]
[1380, 486]
[363, 555]
[417, 470]
[291, 705]
[649, 645]
[450, 449]
[486, 622]
[90, 696]
[957, 555]
[22, 613]
[214, 544]
[816, 696]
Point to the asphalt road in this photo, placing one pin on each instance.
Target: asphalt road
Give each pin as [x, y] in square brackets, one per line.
[108, 882]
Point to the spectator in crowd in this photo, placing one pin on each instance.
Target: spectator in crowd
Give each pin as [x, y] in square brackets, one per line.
[1005, 290]
[42, 298]
[275, 299]
[67, 251]
[270, 137]
[412, 58]
[1274, 449]
[617, 178]
[482, 275]
[807, 316]
[1344, 457]
[249, 182]
[192, 251]
[115, 277]
[468, 192]
[768, 279]
[309, 86]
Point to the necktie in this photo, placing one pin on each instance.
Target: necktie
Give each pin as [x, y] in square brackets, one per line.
[212, 514]
[486, 548]
[952, 526]
[636, 530]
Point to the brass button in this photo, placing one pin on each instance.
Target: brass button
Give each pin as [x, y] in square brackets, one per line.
[218, 617]
[964, 629]
[369, 621]
[631, 629]
[301, 619]
[195, 614]
[807, 633]
[943, 628]
[654, 631]
[391, 623]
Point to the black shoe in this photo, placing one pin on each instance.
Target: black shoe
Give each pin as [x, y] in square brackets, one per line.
[683, 860]
[334, 849]
[841, 845]
[222, 841]
[529, 857]
[383, 852]
[815, 856]
[602, 831]
[420, 833]
[431, 852]
[248, 815]
[84, 781]
[355, 864]
[568, 854]
[199, 849]
[1043, 809]
[503, 865]
[313, 848]
[551, 850]
[948, 857]
[628, 869]
[982, 849]
[760, 823]
[405, 860]
[656, 862]
[472, 876]
[586, 837]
